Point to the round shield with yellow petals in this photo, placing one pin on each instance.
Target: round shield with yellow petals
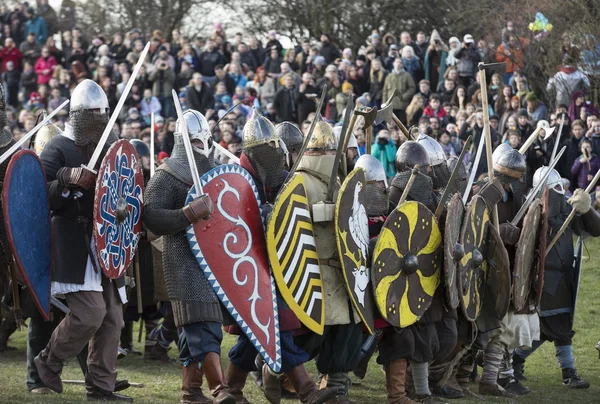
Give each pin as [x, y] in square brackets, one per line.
[406, 265]
[472, 268]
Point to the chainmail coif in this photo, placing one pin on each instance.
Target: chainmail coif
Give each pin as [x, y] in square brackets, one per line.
[377, 199]
[421, 190]
[87, 126]
[268, 164]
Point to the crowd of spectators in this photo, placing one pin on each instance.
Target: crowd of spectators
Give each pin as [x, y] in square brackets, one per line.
[436, 81]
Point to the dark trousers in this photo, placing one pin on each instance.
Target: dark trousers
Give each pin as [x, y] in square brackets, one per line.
[97, 318]
[198, 340]
[243, 353]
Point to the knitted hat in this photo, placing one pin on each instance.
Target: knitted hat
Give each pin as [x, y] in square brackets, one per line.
[522, 112]
[346, 87]
[531, 97]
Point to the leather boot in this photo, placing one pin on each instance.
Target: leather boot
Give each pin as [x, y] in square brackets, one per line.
[191, 386]
[49, 369]
[572, 380]
[157, 352]
[395, 382]
[306, 388]
[215, 379]
[271, 385]
[494, 389]
[235, 377]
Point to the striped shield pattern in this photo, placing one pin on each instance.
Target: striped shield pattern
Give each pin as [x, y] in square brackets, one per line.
[293, 255]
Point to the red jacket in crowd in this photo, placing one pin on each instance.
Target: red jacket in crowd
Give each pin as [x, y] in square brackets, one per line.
[44, 67]
[11, 55]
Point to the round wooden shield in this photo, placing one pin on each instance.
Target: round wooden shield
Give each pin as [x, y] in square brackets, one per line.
[352, 235]
[498, 274]
[118, 208]
[406, 264]
[452, 249]
[27, 217]
[472, 267]
[524, 267]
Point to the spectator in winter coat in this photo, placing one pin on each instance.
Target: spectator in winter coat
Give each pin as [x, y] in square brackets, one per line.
[222, 77]
[273, 63]
[305, 105]
[328, 50]
[434, 109]
[393, 53]
[285, 100]
[535, 108]
[411, 63]
[384, 150]
[36, 25]
[377, 79]
[149, 105]
[586, 166]
[468, 59]
[44, 67]
[235, 72]
[512, 55]
[30, 49]
[247, 57]
[199, 95]
[209, 60]
[402, 81]
[579, 105]
[28, 81]
[567, 81]
[10, 53]
[163, 79]
[264, 85]
[435, 60]
[12, 78]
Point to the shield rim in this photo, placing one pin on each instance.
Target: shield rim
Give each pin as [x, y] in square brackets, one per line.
[303, 317]
[456, 199]
[138, 171]
[438, 248]
[274, 363]
[484, 247]
[536, 204]
[5, 192]
[505, 308]
[370, 326]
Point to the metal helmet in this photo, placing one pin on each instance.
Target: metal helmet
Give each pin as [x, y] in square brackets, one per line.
[373, 168]
[140, 147]
[198, 129]
[502, 148]
[352, 143]
[46, 133]
[554, 180]
[433, 149]
[510, 163]
[259, 130]
[291, 135]
[323, 137]
[88, 95]
[409, 154]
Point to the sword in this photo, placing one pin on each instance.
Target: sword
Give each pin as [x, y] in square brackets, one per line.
[557, 139]
[308, 135]
[152, 162]
[473, 170]
[188, 146]
[115, 115]
[59, 305]
[446, 194]
[32, 132]
[82, 383]
[571, 216]
[535, 191]
[340, 149]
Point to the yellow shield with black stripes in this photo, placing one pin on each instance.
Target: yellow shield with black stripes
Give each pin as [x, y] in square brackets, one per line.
[406, 264]
[293, 255]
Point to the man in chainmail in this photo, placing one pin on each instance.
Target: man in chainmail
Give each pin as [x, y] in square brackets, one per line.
[263, 157]
[339, 346]
[9, 325]
[561, 276]
[462, 177]
[293, 138]
[95, 301]
[435, 333]
[195, 305]
[440, 173]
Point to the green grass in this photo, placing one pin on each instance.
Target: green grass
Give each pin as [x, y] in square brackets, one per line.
[163, 381]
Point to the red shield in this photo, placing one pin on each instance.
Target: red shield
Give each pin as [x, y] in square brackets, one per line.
[118, 208]
[231, 250]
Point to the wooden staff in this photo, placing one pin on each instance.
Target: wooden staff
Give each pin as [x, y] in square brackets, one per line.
[562, 229]
[409, 185]
[488, 135]
[138, 289]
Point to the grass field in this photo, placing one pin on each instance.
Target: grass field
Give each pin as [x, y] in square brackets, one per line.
[163, 382]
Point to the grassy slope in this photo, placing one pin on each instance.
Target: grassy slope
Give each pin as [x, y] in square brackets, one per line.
[162, 382]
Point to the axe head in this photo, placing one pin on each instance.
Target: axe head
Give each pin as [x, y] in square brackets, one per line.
[369, 114]
[547, 129]
[386, 111]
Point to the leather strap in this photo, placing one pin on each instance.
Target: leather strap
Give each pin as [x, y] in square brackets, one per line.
[330, 262]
